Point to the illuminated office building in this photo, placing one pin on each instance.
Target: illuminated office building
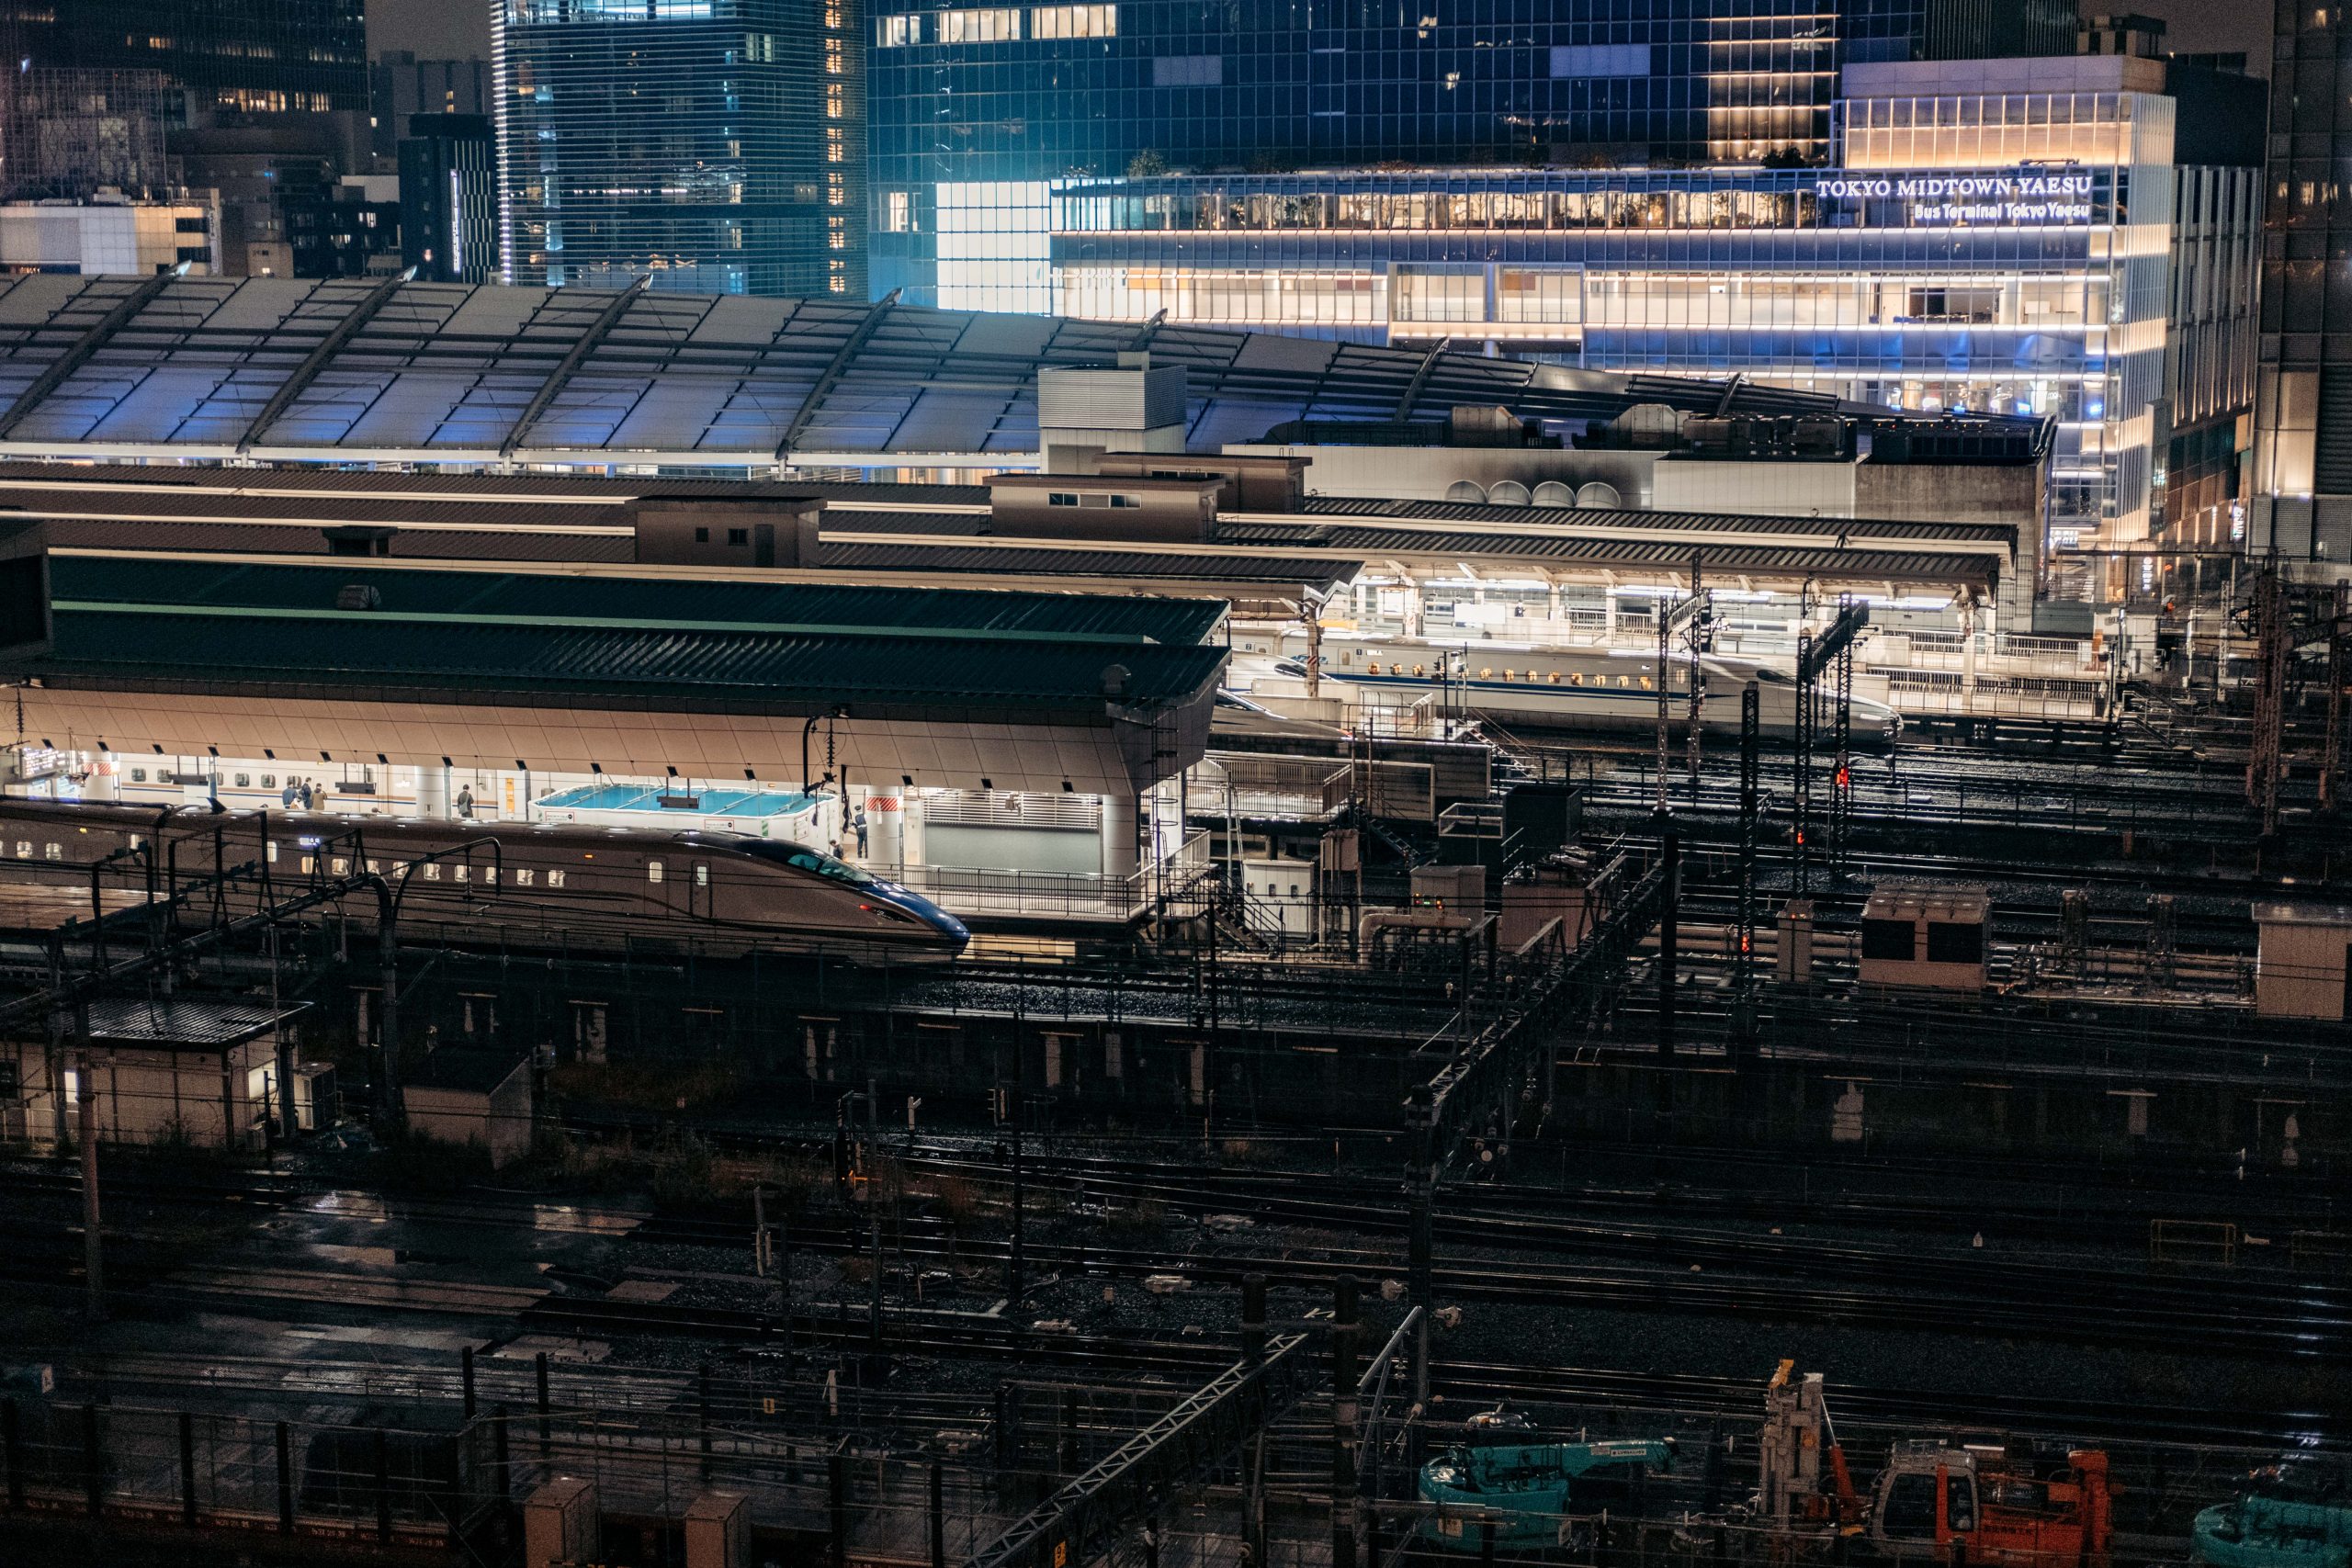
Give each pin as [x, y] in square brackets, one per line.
[1993, 235]
[2303, 442]
[711, 146]
[975, 110]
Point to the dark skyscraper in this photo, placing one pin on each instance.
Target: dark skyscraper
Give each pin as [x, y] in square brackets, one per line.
[221, 57]
[449, 199]
[715, 145]
[2303, 410]
[256, 98]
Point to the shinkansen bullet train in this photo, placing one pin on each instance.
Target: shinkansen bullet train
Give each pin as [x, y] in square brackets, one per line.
[515, 884]
[1576, 688]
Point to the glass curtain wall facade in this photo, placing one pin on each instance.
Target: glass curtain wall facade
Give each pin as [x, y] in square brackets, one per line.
[219, 56]
[2006, 253]
[716, 146]
[2303, 414]
[975, 108]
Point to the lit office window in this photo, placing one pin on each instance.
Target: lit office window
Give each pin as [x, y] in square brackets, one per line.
[1074, 21]
[895, 32]
[979, 27]
[898, 212]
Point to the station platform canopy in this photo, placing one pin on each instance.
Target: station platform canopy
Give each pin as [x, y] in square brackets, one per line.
[365, 371]
[638, 678]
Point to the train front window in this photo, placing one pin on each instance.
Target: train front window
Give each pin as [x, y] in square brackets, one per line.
[800, 857]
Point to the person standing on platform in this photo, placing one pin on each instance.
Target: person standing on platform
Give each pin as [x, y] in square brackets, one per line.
[464, 803]
[860, 825]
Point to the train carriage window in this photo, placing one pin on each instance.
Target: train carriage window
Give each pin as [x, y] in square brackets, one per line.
[24, 848]
[523, 877]
[1960, 1510]
[1889, 940]
[270, 852]
[138, 775]
[375, 868]
[432, 870]
[555, 879]
[244, 781]
[53, 851]
[653, 871]
[489, 874]
[1555, 677]
[702, 875]
[1953, 943]
[1576, 677]
[462, 872]
[339, 867]
[309, 864]
[269, 781]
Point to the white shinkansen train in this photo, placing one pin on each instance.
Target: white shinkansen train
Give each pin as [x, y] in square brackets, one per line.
[514, 884]
[1573, 688]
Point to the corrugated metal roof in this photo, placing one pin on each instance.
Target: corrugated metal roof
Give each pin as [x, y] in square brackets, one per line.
[1013, 561]
[258, 652]
[186, 1021]
[447, 370]
[447, 597]
[1622, 518]
[362, 484]
[278, 539]
[1640, 554]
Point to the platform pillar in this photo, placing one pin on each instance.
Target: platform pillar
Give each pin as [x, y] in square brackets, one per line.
[885, 838]
[105, 782]
[1119, 834]
[433, 792]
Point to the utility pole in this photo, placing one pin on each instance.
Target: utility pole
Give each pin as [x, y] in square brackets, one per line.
[1017, 1269]
[93, 1239]
[1695, 642]
[1841, 783]
[2339, 672]
[1669, 845]
[1750, 809]
[2273, 644]
[1800, 799]
[1343, 1422]
[1664, 603]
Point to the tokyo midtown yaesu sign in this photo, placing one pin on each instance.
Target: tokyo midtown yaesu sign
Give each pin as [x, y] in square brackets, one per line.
[1969, 198]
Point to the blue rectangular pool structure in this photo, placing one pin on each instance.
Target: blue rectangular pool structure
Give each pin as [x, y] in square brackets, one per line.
[649, 799]
[760, 813]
